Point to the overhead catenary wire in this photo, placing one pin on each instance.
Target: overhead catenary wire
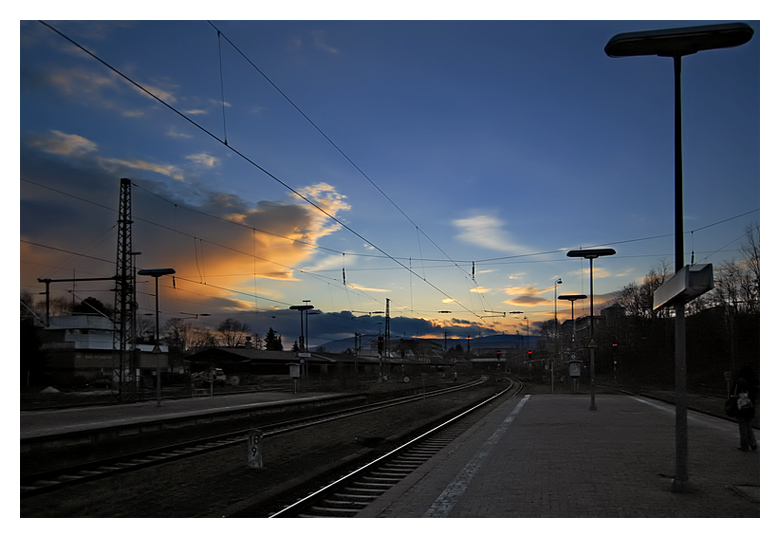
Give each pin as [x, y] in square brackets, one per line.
[245, 158]
[393, 258]
[335, 146]
[502, 260]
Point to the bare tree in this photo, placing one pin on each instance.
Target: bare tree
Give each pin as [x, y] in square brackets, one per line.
[233, 332]
[637, 299]
[751, 249]
[179, 332]
[202, 338]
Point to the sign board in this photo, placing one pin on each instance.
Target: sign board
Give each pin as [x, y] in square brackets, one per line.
[304, 355]
[575, 368]
[686, 284]
[295, 370]
[255, 449]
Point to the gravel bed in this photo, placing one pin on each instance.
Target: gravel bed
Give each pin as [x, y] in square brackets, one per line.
[219, 483]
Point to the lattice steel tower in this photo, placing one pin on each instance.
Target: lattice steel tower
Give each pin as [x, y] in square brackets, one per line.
[124, 296]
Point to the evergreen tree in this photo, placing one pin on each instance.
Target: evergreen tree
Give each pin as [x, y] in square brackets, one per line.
[273, 341]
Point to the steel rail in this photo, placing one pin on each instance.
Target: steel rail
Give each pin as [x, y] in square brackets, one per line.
[55, 479]
[297, 507]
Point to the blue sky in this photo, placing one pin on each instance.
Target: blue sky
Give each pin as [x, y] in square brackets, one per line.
[444, 165]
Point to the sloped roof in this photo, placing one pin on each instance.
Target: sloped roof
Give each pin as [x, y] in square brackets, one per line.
[254, 355]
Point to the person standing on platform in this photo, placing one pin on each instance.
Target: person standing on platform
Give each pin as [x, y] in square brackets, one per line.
[746, 391]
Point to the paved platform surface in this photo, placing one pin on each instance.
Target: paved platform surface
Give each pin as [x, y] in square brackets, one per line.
[39, 423]
[550, 456]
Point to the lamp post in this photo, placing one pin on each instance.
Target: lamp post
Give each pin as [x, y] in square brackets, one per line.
[676, 43]
[157, 273]
[302, 342]
[557, 347]
[301, 309]
[527, 336]
[306, 334]
[591, 254]
[308, 313]
[572, 298]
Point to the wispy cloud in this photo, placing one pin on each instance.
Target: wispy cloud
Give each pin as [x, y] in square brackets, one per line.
[59, 143]
[319, 42]
[487, 232]
[327, 198]
[163, 94]
[204, 159]
[366, 288]
[80, 82]
[164, 169]
[97, 90]
[173, 133]
[480, 289]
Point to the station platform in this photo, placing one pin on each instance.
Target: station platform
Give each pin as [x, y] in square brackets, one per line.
[545, 456]
[46, 423]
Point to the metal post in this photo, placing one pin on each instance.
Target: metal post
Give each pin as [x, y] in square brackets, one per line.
[592, 350]
[156, 274]
[681, 389]
[676, 43]
[157, 336]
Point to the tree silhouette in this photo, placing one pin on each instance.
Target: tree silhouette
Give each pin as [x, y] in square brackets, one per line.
[233, 332]
[273, 341]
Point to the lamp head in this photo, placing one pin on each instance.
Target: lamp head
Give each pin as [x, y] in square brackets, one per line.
[156, 272]
[677, 42]
[591, 253]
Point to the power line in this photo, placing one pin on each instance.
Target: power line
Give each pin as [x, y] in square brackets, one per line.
[332, 143]
[247, 159]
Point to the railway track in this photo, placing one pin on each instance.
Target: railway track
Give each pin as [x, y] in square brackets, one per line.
[350, 494]
[52, 480]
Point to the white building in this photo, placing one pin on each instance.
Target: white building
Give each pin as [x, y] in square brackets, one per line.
[82, 346]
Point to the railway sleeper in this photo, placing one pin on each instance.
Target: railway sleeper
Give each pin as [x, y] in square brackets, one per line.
[382, 479]
[355, 497]
[337, 503]
[389, 474]
[410, 465]
[415, 461]
[371, 486]
[333, 512]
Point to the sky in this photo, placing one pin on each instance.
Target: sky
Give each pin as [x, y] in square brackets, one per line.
[444, 165]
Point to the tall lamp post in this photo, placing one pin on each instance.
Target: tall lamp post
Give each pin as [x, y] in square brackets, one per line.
[676, 43]
[157, 273]
[572, 299]
[557, 346]
[302, 347]
[308, 313]
[518, 334]
[302, 308]
[528, 338]
[591, 254]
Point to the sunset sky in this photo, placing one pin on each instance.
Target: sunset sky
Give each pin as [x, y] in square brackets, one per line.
[443, 165]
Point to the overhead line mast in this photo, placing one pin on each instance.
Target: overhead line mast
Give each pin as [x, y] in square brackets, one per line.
[124, 295]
